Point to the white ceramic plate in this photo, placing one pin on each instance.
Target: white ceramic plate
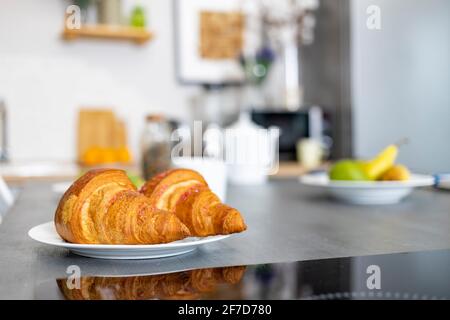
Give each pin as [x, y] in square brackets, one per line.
[46, 233]
[367, 192]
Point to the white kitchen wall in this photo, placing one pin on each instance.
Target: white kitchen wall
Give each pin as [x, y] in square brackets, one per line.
[401, 81]
[44, 80]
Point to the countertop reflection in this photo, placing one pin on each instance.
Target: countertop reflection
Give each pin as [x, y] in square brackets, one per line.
[421, 275]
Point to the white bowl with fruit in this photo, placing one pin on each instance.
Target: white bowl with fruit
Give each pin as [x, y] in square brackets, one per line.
[374, 182]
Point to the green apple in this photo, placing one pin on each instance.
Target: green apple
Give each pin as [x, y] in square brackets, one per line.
[347, 170]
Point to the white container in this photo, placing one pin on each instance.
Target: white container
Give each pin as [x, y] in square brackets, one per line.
[251, 152]
[309, 153]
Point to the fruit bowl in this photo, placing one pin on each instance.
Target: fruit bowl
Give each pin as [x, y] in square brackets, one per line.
[367, 192]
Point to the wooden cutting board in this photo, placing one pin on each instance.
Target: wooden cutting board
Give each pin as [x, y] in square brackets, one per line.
[96, 128]
[120, 134]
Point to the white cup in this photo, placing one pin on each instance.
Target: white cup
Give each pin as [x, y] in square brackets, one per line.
[309, 153]
[214, 171]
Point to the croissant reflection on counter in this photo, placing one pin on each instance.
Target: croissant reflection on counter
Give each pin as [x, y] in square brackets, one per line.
[104, 207]
[182, 285]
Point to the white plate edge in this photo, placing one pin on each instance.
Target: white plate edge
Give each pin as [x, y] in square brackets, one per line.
[423, 181]
[137, 256]
[170, 245]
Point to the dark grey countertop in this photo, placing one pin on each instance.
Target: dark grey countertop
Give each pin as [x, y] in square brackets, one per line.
[287, 222]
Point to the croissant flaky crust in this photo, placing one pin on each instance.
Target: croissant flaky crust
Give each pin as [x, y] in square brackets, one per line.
[104, 207]
[185, 193]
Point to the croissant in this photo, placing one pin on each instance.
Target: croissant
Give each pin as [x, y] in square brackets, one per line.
[187, 194]
[180, 285]
[104, 207]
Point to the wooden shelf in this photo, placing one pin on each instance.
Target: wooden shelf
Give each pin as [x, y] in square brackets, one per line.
[126, 33]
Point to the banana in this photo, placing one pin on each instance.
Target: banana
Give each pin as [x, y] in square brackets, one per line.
[375, 168]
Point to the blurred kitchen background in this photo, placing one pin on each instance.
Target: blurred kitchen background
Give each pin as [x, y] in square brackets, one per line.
[107, 91]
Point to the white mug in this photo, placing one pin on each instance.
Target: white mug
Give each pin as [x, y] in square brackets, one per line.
[213, 170]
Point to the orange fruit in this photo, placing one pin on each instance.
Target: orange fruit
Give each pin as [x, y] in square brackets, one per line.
[92, 156]
[123, 155]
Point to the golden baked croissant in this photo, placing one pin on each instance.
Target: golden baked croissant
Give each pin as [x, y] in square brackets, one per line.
[187, 194]
[181, 285]
[103, 206]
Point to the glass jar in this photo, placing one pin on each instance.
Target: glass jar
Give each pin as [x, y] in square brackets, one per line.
[155, 146]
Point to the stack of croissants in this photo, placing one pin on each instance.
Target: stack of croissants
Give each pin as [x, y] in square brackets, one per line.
[104, 207]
